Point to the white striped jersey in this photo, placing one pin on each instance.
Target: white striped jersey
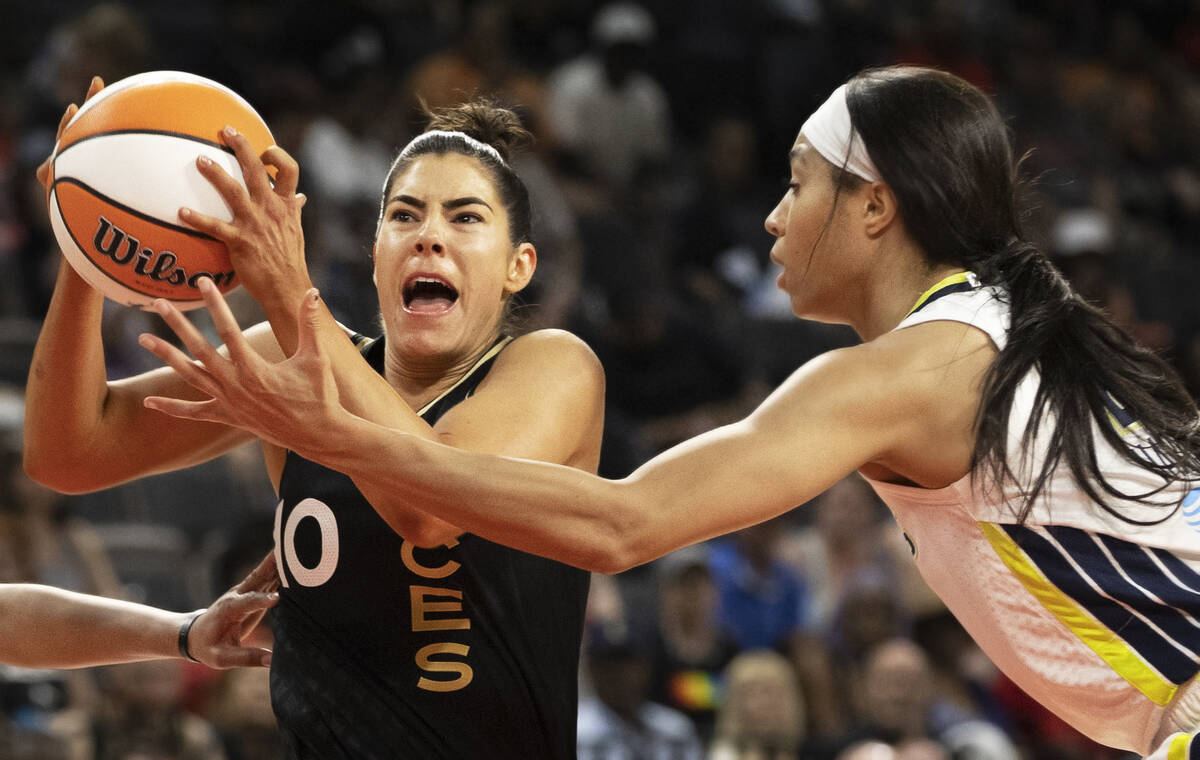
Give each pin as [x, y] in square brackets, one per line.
[1096, 618]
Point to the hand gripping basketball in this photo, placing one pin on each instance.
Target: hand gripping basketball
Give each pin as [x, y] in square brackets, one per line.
[265, 238]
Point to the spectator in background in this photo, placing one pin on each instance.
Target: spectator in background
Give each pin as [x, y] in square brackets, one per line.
[611, 132]
[763, 602]
[111, 40]
[762, 717]
[690, 649]
[719, 252]
[1082, 245]
[895, 701]
[845, 541]
[666, 369]
[618, 722]
[610, 117]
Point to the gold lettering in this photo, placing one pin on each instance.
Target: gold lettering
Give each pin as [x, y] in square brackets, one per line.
[465, 674]
[421, 607]
[406, 554]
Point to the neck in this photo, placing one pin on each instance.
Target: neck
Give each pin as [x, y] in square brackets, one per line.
[420, 378]
[891, 292]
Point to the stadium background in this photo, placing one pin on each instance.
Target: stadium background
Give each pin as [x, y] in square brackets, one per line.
[651, 246]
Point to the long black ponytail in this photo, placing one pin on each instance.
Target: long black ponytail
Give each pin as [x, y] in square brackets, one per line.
[944, 150]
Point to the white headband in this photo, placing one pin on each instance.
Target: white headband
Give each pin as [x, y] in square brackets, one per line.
[829, 131]
[471, 141]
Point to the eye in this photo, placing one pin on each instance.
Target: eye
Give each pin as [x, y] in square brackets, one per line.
[792, 186]
[468, 217]
[401, 215]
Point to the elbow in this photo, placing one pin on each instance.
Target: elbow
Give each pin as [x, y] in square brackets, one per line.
[619, 541]
[58, 473]
[429, 534]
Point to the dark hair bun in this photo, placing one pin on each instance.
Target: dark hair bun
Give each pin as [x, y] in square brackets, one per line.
[485, 121]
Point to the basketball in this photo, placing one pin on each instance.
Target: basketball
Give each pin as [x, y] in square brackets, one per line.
[126, 164]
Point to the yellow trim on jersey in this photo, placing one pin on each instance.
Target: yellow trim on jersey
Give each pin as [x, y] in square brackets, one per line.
[488, 355]
[1107, 645]
[1178, 750]
[953, 279]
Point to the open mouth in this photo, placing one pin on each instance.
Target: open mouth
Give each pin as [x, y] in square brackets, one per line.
[428, 295]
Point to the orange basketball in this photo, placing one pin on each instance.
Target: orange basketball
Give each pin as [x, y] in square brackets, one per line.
[126, 164]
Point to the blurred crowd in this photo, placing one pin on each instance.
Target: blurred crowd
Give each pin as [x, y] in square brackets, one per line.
[661, 137]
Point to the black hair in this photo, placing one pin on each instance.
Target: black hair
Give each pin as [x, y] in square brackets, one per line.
[491, 125]
[945, 152]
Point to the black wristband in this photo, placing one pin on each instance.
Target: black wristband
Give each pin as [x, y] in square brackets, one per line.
[184, 629]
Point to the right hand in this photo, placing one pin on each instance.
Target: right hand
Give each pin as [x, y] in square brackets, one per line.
[43, 171]
[265, 238]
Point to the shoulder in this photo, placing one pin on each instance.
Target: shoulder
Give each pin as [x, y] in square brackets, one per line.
[552, 350]
[923, 364]
[906, 378]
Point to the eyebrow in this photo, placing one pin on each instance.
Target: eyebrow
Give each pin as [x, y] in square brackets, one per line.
[449, 205]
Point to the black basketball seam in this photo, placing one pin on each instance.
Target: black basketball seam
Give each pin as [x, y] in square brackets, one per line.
[84, 250]
[131, 211]
[163, 132]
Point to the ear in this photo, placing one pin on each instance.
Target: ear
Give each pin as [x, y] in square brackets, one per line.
[520, 268]
[879, 208]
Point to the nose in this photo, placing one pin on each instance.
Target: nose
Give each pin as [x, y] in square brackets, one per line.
[776, 218]
[429, 237]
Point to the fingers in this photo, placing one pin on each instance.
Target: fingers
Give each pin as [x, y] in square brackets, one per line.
[192, 373]
[66, 118]
[287, 171]
[241, 657]
[230, 190]
[254, 172]
[199, 411]
[249, 605]
[262, 578]
[95, 86]
[210, 225]
[226, 324]
[308, 321]
[196, 344]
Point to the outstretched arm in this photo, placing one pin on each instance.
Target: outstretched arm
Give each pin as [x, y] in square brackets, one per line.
[46, 627]
[878, 404]
[542, 400]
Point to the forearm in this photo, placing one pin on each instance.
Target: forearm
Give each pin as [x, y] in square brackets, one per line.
[67, 386]
[45, 627]
[546, 509]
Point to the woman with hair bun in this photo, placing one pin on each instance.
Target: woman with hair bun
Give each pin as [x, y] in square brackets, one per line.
[396, 633]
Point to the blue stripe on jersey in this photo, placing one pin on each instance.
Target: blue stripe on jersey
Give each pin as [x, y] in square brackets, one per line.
[1081, 546]
[1186, 575]
[1140, 565]
[1149, 644]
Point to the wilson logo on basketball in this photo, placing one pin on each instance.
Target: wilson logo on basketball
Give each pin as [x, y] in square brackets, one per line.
[162, 266]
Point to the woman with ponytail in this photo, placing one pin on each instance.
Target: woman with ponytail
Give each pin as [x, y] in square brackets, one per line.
[1043, 466]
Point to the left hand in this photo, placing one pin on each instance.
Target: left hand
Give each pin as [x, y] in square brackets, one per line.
[287, 404]
[223, 637]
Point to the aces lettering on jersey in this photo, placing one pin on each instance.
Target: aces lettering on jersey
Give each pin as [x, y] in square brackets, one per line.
[432, 608]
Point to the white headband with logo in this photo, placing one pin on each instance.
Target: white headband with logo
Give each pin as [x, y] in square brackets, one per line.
[830, 132]
[471, 141]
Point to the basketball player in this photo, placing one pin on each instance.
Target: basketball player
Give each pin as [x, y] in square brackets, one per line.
[47, 627]
[396, 634]
[1042, 465]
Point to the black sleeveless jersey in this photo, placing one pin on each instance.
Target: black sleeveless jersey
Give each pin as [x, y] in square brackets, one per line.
[386, 650]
